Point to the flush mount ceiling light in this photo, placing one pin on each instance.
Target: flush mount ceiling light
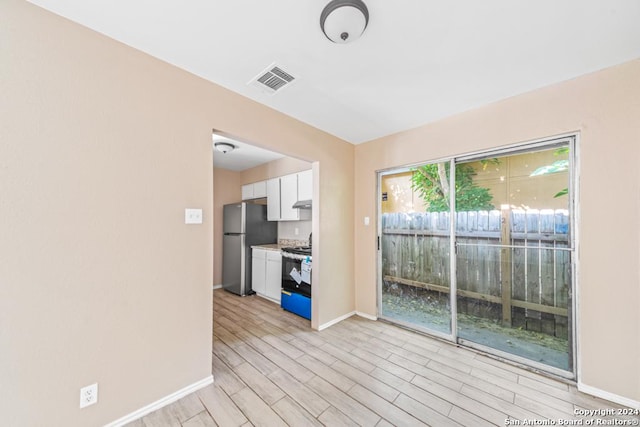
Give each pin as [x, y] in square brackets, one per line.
[343, 21]
[224, 147]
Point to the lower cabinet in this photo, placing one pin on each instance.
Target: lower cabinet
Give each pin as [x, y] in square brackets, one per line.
[258, 271]
[267, 273]
[274, 275]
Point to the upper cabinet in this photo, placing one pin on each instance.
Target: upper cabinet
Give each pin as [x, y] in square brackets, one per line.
[305, 185]
[273, 199]
[257, 190]
[288, 196]
[284, 192]
[247, 192]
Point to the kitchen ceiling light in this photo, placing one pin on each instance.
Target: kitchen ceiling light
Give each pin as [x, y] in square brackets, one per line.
[224, 147]
[343, 21]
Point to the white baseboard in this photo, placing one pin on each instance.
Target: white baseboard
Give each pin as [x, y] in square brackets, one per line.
[621, 400]
[275, 301]
[217, 287]
[366, 316]
[162, 402]
[334, 321]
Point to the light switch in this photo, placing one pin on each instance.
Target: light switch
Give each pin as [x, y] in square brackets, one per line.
[366, 220]
[193, 216]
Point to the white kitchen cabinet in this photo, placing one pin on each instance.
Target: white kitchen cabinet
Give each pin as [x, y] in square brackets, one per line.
[259, 189]
[283, 193]
[273, 276]
[247, 192]
[258, 270]
[305, 185]
[288, 196]
[266, 273]
[273, 199]
[256, 190]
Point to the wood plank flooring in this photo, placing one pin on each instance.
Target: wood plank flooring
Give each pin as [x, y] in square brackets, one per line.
[271, 369]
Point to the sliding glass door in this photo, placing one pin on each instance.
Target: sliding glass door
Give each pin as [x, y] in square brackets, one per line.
[415, 252]
[513, 262]
[507, 218]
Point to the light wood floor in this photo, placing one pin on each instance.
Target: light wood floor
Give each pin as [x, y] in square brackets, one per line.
[271, 369]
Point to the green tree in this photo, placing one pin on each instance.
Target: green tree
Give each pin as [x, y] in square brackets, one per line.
[432, 184]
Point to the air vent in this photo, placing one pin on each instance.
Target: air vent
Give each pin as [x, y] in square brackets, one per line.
[272, 79]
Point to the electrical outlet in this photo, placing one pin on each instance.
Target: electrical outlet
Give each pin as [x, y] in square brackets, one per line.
[296, 231]
[88, 395]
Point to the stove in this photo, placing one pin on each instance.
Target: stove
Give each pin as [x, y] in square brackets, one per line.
[297, 250]
[296, 280]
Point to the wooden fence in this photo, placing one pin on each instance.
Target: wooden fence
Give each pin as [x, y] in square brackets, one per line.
[512, 264]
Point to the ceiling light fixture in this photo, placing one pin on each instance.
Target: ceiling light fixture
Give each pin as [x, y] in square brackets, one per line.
[343, 21]
[224, 147]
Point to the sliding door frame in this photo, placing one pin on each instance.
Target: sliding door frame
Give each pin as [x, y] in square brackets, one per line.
[570, 139]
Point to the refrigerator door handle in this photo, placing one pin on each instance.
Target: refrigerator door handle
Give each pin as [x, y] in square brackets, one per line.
[243, 224]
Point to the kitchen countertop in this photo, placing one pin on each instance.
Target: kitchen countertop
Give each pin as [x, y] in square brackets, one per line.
[272, 247]
[283, 243]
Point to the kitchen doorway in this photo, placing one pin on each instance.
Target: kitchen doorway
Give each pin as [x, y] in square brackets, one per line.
[507, 216]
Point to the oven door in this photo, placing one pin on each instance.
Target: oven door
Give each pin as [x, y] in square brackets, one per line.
[289, 282]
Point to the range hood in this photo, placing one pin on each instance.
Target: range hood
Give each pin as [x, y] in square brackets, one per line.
[302, 204]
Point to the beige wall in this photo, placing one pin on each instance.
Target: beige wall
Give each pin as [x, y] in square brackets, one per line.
[276, 168]
[604, 108]
[227, 189]
[101, 149]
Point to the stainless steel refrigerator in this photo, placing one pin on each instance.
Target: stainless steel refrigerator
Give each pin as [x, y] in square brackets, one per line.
[244, 225]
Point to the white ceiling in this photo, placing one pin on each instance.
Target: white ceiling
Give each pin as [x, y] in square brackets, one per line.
[244, 156]
[418, 60]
